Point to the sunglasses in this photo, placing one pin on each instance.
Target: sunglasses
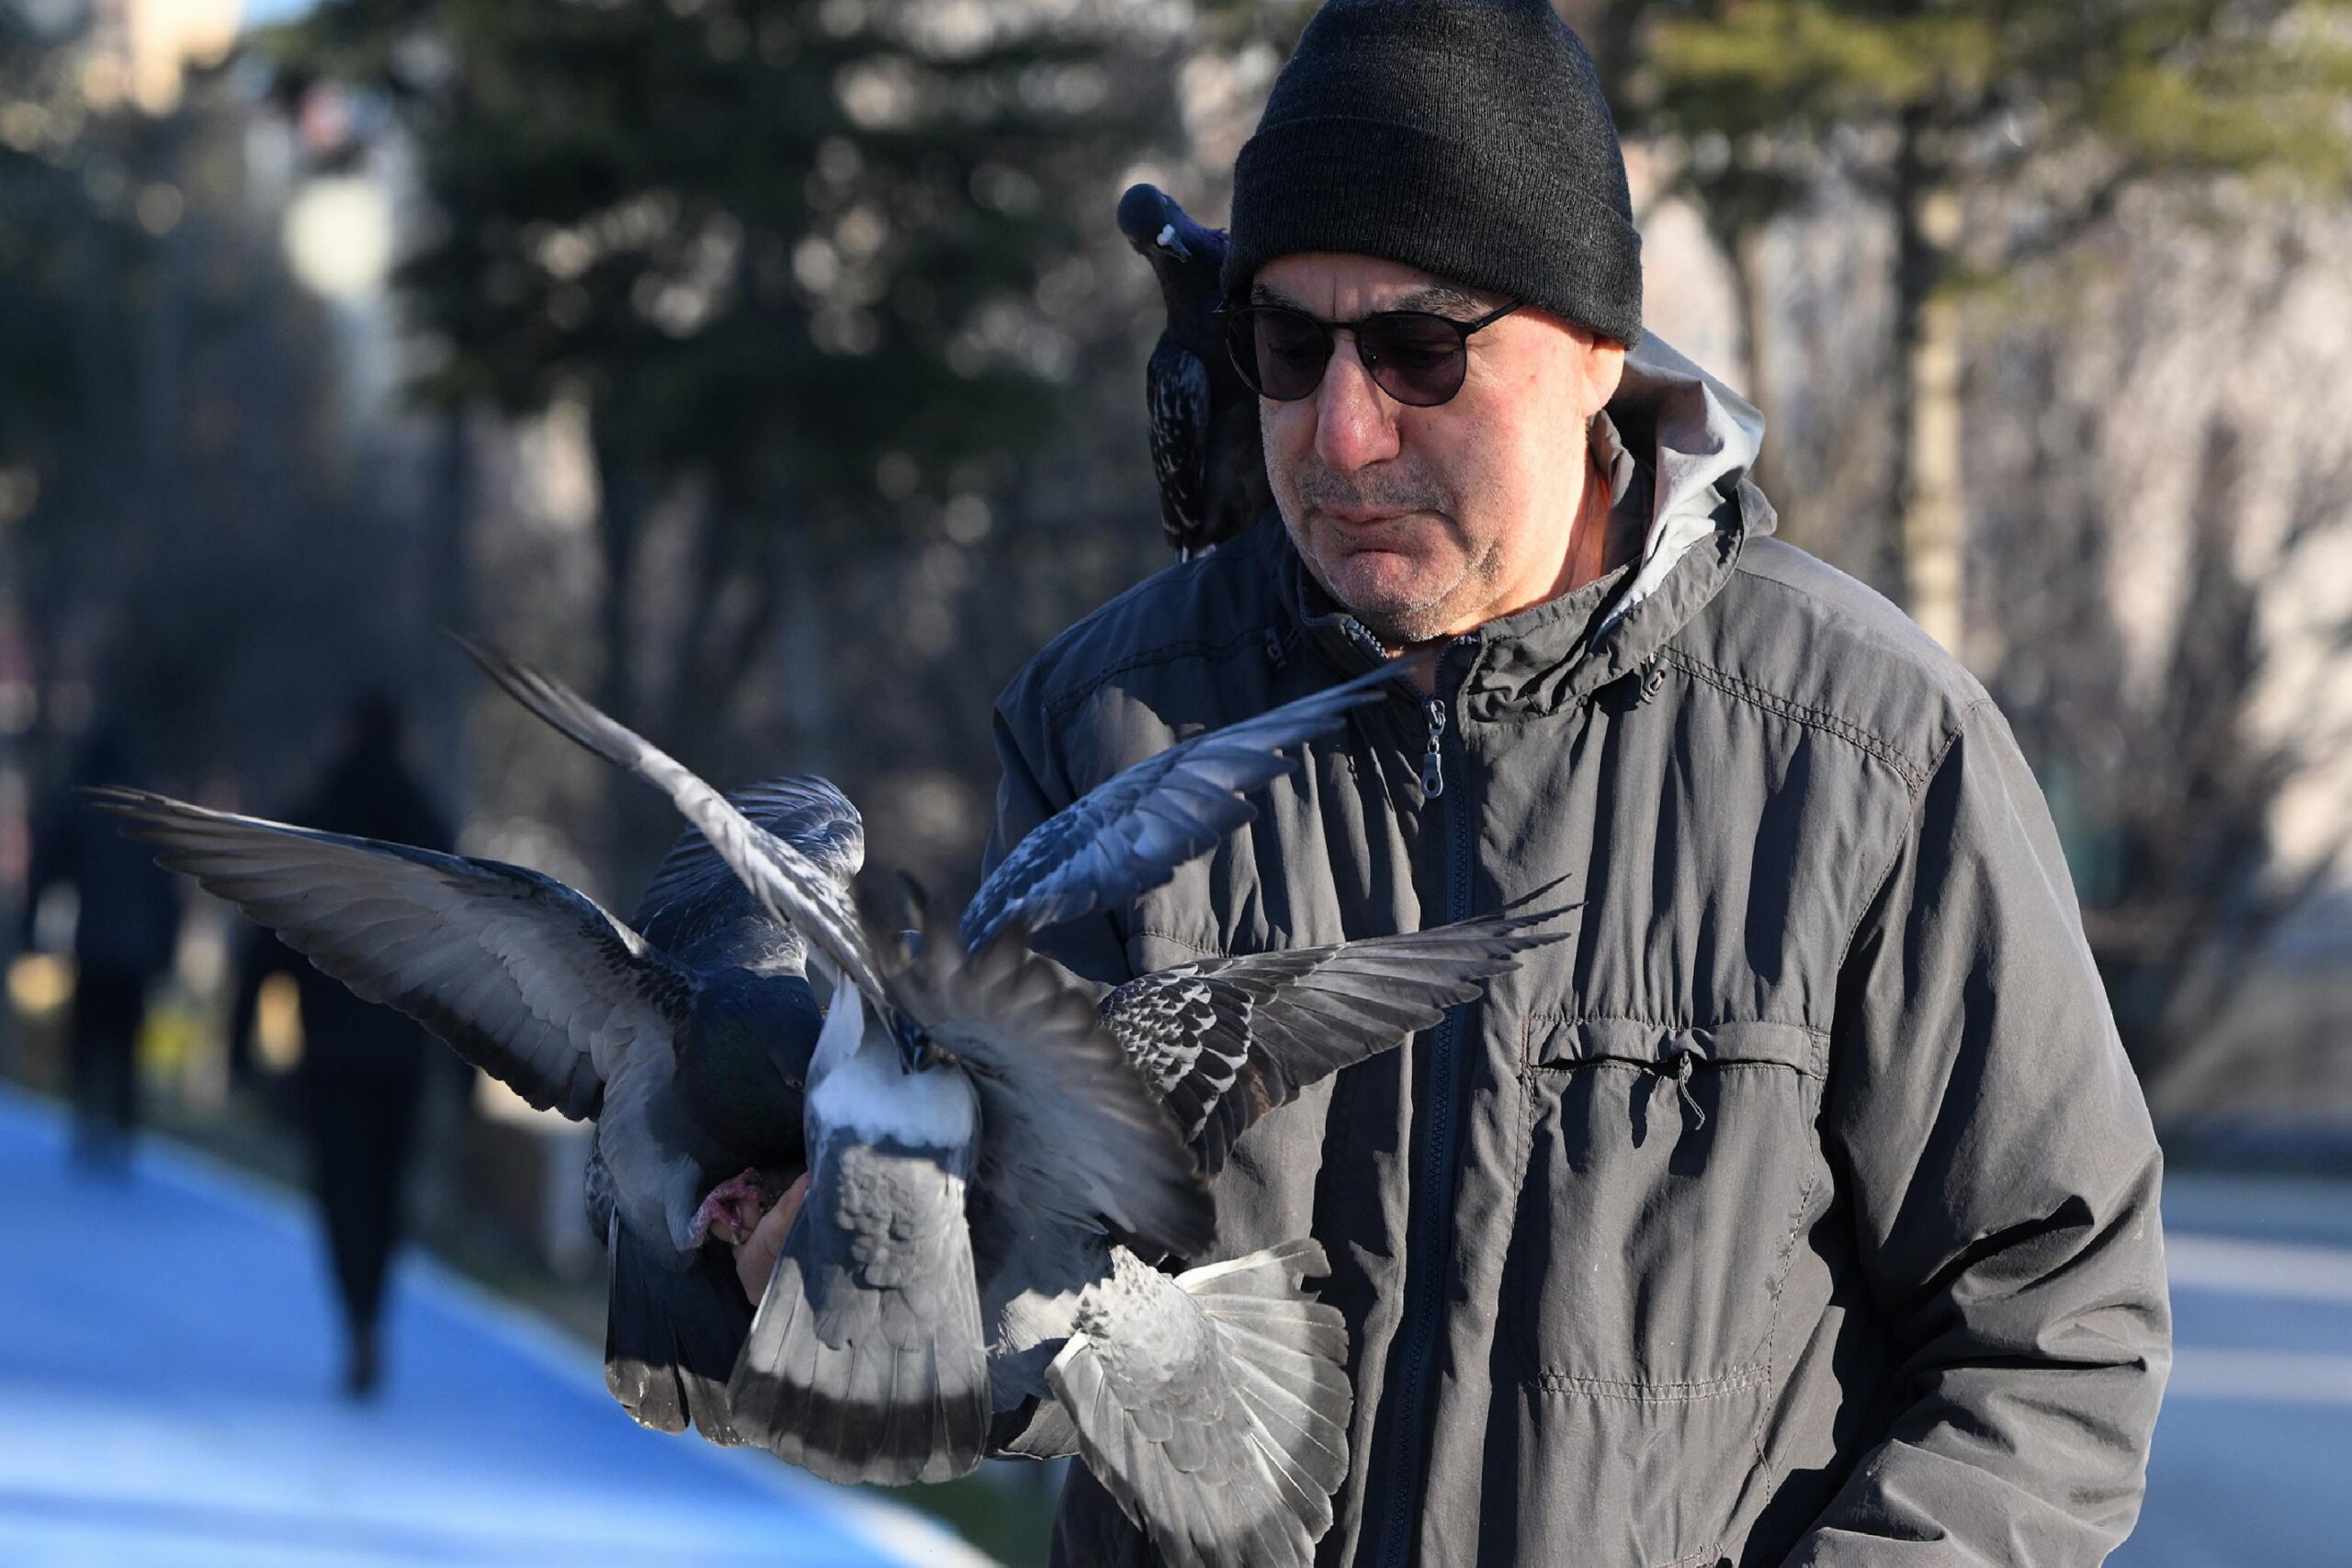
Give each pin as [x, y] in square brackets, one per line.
[1415, 356]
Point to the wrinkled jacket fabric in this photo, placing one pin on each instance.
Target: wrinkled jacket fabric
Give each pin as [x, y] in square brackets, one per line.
[1799, 1205]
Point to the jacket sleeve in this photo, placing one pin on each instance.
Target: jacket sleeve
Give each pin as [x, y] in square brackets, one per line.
[2003, 1178]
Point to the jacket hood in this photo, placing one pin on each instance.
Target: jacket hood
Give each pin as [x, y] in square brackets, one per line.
[1703, 437]
[1677, 445]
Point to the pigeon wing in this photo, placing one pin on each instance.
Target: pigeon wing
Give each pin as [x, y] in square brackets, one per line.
[698, 910]
[1070, 1134]
[1129, 833]
[794, 886]
[1176, 398]
[1226, 1040]
[526, 979]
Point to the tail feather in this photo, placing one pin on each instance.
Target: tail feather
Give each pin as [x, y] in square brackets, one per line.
[1213, 1405]
[672, 1335]
[864, 1364]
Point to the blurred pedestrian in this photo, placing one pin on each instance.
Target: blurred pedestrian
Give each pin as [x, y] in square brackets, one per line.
[125, 930]
[364, 1067]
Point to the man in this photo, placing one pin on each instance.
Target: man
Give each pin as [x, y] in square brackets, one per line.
[126, 926]
[364, 1068]
[1801, 1207]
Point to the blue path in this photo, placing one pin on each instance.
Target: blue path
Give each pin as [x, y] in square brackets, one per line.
[167, 1367]
[2253, 1461]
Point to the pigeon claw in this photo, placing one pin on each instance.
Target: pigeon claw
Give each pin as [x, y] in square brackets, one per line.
[735, 1207]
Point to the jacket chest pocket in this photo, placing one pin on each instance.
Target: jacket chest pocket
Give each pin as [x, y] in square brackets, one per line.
[1664, 1174]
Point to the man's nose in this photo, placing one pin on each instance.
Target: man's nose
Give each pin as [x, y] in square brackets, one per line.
[1355, 422]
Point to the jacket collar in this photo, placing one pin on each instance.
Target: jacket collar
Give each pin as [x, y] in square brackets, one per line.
[1676, 445]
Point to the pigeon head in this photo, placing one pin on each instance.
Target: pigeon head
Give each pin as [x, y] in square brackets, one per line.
[1181, 251]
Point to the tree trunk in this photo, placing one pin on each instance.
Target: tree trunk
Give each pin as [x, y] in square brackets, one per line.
[624, 496]
[1744, 250]
[1927, 434]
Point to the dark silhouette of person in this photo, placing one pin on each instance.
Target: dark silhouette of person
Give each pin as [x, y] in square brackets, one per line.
[124, 935]
[364, 1067]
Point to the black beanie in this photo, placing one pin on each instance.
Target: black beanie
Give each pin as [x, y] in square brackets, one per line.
[1466, 138]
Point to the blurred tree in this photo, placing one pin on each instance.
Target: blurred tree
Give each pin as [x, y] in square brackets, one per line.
[1994, 133]
[804, 265]
[75, 262]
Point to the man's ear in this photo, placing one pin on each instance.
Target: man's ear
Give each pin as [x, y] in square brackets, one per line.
[1604, 367]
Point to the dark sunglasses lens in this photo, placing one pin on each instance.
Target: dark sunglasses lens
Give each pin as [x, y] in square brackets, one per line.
[1415, 358]
[1280, 353]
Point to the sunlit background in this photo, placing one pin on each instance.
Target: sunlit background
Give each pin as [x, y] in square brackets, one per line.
[772, 371]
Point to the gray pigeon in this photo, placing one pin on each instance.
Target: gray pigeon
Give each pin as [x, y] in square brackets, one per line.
[1009, 1194]
[686, 1034]
[952, 1076]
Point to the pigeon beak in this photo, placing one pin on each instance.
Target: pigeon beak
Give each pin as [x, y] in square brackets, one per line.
[1168, 239]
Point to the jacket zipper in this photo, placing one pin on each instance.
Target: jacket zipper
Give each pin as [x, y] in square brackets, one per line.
[1433, 759]
[1430, 1225]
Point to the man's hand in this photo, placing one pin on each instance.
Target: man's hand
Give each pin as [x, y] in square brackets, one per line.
[755, 1253]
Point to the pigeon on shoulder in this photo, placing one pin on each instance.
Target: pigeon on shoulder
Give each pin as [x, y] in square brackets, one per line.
[1201, 419]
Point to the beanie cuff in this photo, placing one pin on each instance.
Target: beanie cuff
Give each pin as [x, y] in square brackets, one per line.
[1376, 187]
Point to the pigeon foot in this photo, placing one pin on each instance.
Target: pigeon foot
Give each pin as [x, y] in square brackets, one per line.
[736, 1206]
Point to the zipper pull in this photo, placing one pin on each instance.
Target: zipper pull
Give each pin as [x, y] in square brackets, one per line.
[1432, 775]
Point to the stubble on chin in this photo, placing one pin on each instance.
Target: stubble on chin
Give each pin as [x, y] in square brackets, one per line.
[1421, 611]
[1416, 610]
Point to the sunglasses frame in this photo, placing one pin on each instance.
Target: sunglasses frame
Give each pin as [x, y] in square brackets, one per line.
[1235, 318]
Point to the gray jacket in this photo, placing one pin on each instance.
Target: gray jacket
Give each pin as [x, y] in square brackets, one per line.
[1800, 1207]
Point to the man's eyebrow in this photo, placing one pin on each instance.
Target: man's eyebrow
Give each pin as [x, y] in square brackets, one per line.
[1440, 299]
[1437, 298]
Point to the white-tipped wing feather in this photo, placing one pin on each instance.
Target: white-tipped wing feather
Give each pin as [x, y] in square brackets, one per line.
[1226, 1040]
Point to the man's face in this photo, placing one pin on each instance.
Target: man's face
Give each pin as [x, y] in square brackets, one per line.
[1426, 522]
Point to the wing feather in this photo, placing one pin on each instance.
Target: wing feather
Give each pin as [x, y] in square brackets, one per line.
[1071, 1135]
[793, 886]
[1129, 833]
[1226, 1040]
[526, 979]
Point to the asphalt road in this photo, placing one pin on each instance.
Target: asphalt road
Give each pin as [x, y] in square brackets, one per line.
[170, 1404]
[167, 1375]
[2253, 1461]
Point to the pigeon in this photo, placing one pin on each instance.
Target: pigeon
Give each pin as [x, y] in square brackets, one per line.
[686, 1034]
[1205, 449]
[954, 1079]
[1213, 1403]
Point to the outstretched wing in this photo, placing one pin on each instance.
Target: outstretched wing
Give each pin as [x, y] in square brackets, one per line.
[1070, 1134]
[526, 979]
[792, 885]
[1128, 834]
[1226, 1040]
